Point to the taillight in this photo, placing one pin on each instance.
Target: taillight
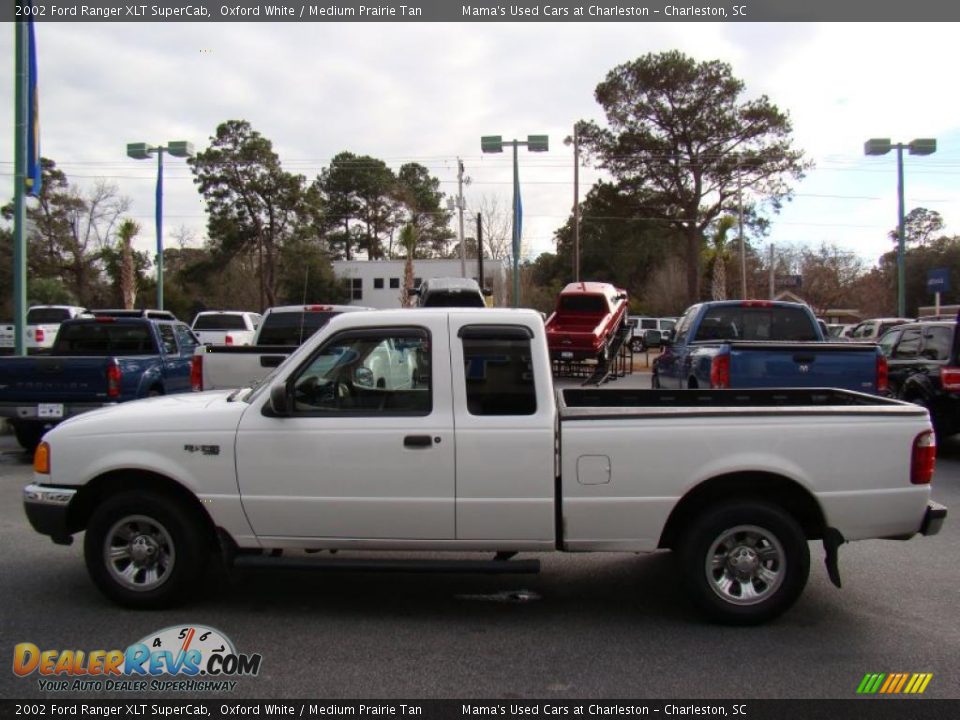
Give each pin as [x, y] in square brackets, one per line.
[720, 372]
[882, 374]
[950, 378]
[756, 303]
[228, 340]
[39, 335]
[923, 459]
[114, 376]
[196, 372]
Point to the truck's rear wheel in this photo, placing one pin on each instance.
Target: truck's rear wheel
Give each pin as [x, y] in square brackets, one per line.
[144, 550]
[745, 563]
[29, 434]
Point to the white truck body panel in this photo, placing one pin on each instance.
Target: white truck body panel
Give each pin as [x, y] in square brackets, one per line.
[650, 470]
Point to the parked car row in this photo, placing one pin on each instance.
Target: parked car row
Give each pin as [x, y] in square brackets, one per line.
[923, 360]
[95, 361]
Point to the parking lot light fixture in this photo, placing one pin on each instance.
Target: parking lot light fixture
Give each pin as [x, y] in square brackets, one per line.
[881, 146]
[494, 144]
[143, 151]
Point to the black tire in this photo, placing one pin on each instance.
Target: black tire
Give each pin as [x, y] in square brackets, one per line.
[636, 345]
[155, 541]
[744, 563]
[29, 435]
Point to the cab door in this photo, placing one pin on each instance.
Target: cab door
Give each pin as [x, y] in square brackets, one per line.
[350, 459]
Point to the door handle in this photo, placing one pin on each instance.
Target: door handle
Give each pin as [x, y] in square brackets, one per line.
[417, 441]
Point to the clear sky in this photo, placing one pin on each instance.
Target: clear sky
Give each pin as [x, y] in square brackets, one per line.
[426, 92]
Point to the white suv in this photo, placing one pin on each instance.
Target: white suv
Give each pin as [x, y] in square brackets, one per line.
[641, 324]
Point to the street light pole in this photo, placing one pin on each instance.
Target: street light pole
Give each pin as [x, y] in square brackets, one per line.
[159, 220]
[142, 151]
[881, 146]
[494, 144]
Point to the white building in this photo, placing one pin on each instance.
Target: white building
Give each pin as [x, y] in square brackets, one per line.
[379, 283]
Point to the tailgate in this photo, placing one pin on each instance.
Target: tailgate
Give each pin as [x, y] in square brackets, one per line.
[236, 366]
[848, 366]
[53, 379]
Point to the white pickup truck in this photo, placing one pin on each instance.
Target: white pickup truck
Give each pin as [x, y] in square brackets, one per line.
[478, 453]
[43, 322]
[225, 327]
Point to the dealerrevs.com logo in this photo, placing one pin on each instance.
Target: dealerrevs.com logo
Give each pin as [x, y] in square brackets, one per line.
[200, 657]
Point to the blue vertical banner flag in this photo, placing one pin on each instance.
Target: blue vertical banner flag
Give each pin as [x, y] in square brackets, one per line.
[33, 177]
[518, 210]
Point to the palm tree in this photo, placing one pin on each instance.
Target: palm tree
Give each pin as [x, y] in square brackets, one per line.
[718, 286]
[408, 239]
[126, 231]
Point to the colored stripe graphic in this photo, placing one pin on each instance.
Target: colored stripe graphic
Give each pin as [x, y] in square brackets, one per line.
[894, 683]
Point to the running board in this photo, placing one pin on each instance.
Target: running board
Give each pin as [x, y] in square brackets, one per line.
[488, 567]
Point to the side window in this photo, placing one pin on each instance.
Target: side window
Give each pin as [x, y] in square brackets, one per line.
[936, 343]
[168, 340]
[367, 373]
[498, 370]
[909, 345]
[188, 341]
[888, 341]
[683, 325]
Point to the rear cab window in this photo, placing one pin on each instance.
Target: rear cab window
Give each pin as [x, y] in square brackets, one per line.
[735, 322]
[219, 321]
[498, 370]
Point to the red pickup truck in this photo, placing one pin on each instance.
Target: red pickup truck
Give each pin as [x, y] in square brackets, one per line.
[586, 320]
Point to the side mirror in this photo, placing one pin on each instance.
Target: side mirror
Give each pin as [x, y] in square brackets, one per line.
[413, 291]
[280, 399]
[487, 292]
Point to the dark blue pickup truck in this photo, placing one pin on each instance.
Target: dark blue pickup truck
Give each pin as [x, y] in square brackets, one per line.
[763, 344]
[94, 362]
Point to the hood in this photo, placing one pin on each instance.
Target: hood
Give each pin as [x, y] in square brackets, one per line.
[183, 412]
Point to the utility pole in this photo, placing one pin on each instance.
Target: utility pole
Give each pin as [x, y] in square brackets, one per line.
[576, 205]
[463, 247]
[480, 250]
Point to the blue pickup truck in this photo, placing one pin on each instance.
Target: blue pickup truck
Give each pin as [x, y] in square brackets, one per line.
[763, 344]
[94, 362]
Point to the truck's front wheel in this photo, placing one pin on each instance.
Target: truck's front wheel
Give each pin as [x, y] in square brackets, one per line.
[144, 550]
[745, 563]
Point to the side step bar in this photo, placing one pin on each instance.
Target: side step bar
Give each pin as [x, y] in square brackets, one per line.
[487, 567]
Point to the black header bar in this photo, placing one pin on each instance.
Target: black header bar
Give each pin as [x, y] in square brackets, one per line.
[638, 11]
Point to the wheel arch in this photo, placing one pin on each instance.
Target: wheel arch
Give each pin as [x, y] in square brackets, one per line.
[117, 481]
[768, 487]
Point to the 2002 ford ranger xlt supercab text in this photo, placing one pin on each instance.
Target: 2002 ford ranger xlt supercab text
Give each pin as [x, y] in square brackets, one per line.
[476, 452]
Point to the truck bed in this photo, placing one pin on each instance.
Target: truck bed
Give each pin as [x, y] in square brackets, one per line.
[576, 402]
